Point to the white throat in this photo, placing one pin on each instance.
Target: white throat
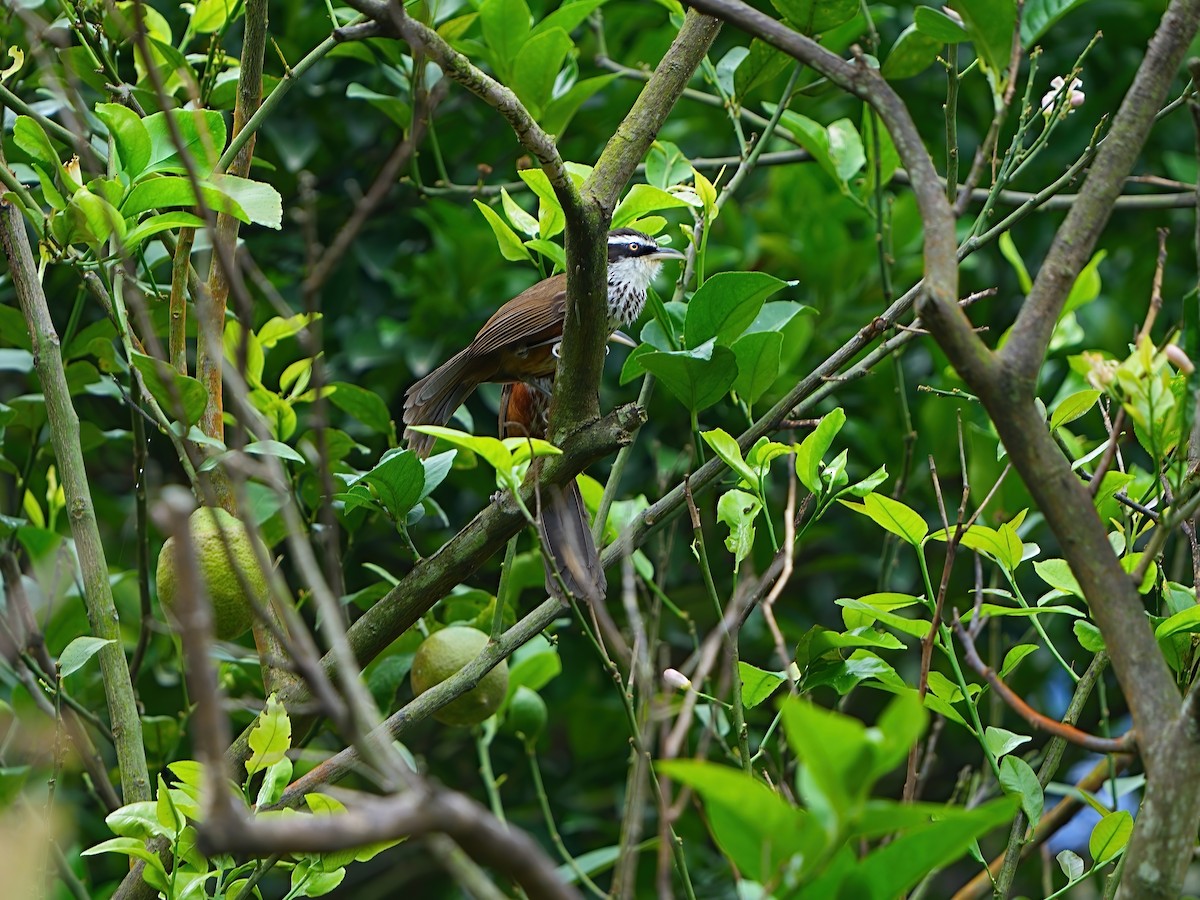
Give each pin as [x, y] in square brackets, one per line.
[632, 275]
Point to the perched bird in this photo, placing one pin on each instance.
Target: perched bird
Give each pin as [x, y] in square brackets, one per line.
[520, 342]
[518, 347]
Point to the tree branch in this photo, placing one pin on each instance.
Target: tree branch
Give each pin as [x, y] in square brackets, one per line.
[64, 436]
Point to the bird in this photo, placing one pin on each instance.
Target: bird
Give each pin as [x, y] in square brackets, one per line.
[518, 347]
[520, 342]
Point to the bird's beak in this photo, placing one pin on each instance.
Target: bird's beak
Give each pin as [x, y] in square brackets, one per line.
[620, 337]
[665, 253]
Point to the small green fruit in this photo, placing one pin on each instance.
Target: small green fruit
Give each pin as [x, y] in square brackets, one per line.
[526, 713]
[445, 652]
[232, 612]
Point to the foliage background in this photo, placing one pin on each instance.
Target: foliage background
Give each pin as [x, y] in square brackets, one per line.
[426, 272]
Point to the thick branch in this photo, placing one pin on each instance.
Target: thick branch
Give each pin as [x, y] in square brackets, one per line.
[576, 399]
[64, 436]
[419, 812]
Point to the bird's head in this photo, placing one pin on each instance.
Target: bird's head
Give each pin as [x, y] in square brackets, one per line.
[634, 258]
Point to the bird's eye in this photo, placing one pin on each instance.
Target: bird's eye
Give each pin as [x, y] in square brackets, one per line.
[634, 247]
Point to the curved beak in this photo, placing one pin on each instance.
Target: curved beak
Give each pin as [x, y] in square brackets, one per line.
[620, 337]
[663, 253]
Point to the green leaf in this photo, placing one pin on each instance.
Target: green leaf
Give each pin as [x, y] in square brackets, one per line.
[1003, 545]
[277, 328]
[1017, 778]
[990, 23]
[755, 827]
[642, 199]
[399, 480]
[389, 104]
[1001, 742]
[939, 26]
[550, 214]
[569, 16]
[814, 447]
[128, 846]
[238, 343]
[856, 613]
[511, 247]
[1057, 574]
[273, 448]
[762, 65]
[129, 135]
[277, 777]
[536, 67]
[913, 52]
[270, 738]
[698, 378]
[836, 752]
[1071, 864]
[816, 16]
[892, 516]
[738, 510]
[1186, 621]
[136, 820]
[1009, 251]
[30, 137]
[726, 447]
[517, 216]
[362, 404]
[211, 15]
[147, 228]
[1089, 637]
[179, 395]
[534, 670]
[1072, 407]
[202, 132]
[505, 25]
[758, 684]
[559, 111]
[838, 149]
[666, 165]
[76, 654]
[1086, 287]
[1039, 16]
[726, 305]
[260, 202]
[1013, 658]
[1110, 836]
[90, 219]
[896, 867]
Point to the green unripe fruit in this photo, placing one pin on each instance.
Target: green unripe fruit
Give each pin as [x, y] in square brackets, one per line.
[445, 652]
[526, 713]
[232, 611]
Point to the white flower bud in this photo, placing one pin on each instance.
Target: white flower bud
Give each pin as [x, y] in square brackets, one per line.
[676, 680]
[1073, 93]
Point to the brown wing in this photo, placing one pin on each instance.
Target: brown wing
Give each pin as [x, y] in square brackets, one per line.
[535, 316]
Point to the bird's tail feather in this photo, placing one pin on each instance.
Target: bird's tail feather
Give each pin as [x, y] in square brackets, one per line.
[433, 399]
[572, 560]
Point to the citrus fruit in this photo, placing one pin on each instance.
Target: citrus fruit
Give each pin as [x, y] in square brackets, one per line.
[445, 652]
[526, 713]
[232, 612]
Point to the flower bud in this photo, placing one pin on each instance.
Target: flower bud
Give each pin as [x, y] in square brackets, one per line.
[676, 680]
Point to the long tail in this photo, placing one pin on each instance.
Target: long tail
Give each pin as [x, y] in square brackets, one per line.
[572, 556]
[433, 399]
